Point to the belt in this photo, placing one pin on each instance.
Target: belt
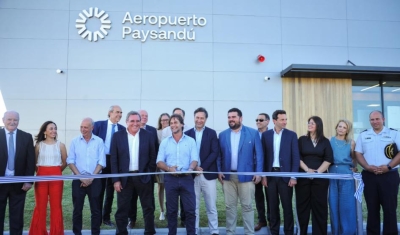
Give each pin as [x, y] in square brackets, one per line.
[233, 171]
[179, 175]
[276, 169]
[133, 171]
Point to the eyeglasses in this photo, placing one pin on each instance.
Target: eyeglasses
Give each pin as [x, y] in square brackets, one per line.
[260, 120]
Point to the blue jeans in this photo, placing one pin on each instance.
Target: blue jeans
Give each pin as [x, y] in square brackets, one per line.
[182, 187]
[342, 203]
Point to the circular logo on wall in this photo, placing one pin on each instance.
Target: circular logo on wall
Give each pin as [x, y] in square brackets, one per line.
[81, 24]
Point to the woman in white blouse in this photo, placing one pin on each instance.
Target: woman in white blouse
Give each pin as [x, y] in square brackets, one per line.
[51, 157]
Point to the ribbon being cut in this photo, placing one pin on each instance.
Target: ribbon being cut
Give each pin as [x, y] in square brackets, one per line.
[355, 176]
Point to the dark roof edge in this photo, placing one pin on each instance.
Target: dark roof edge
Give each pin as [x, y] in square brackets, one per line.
[338, 70]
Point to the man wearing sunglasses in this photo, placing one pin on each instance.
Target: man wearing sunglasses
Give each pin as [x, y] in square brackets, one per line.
[261, 198]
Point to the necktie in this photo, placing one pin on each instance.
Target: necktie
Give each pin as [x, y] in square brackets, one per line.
[113, 129]
[11, 152]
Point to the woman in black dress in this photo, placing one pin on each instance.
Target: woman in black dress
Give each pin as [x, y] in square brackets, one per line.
[312, 194]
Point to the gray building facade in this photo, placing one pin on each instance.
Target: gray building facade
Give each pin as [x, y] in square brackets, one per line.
[206, 57]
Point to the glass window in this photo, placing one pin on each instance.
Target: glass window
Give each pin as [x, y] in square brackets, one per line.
[391, 101]
[366, 98]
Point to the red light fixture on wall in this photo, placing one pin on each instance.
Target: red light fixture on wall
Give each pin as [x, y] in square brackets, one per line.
[260, 58]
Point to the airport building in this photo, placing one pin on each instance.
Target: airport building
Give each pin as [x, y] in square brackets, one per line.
[69, 59]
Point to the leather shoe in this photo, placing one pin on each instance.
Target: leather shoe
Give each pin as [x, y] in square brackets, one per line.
[131, 224]
[259, 226]
[108, 223]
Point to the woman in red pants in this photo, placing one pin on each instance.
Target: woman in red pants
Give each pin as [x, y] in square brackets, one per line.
[51, 157]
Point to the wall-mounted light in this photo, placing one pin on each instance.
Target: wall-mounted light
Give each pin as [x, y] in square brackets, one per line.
[260, 58]
[59, 71]
[373, 105]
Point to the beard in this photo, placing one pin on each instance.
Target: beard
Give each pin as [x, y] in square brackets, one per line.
[234, 126]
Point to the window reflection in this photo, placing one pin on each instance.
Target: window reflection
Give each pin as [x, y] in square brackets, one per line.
[391, 98]
[367, 98]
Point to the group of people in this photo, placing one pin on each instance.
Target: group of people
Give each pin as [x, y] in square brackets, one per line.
[183, 153]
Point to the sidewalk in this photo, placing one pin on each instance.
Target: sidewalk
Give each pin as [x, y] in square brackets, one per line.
[161, 231]
[182, 231]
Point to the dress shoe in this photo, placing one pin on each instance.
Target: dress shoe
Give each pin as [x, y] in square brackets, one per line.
[131, 224]
[162, 217]
[108, 223]
[259, 226]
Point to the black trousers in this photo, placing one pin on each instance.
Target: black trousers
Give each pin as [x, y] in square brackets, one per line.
[146, 195]
[133, 208]
[312, 196]
[78, 199]
[381, 190]
[279, 191]
[16, 197]
[106, 195]
[261, 199]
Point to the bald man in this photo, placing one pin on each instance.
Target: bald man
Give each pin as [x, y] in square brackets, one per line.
[86, 157]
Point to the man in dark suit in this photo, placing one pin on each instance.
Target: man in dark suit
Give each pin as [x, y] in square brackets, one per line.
[133, 151]
[17, 158]
[105, 130]
[206, 184]
[261, 199]
[143, 124]
[240, 151]
[281, 154]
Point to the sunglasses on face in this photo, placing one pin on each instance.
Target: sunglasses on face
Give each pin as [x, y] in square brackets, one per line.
[260, 120]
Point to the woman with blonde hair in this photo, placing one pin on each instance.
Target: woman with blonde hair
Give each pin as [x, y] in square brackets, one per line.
[51, 157]
[342, 203]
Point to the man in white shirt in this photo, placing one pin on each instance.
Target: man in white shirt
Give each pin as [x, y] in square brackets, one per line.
[380, 174]
[133, 151]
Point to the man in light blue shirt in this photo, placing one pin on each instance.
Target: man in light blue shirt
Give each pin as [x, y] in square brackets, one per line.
[178, 153]
[86, 157]
[240, 151]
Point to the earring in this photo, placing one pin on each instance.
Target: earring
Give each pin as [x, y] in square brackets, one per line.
[45, 136]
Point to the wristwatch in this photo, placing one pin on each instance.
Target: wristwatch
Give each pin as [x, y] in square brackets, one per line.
[315, 171]
[389, 167]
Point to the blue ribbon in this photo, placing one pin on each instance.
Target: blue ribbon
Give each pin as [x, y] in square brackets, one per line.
[356, 176]
[360, 188]
[23, 179]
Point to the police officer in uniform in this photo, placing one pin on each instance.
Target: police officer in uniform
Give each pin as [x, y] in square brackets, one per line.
[380, 174]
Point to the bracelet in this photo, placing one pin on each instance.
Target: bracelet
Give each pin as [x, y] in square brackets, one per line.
[307, 170]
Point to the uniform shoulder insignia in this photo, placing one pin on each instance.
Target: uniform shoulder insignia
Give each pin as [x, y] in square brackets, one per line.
[392, 129]
[364, 130]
